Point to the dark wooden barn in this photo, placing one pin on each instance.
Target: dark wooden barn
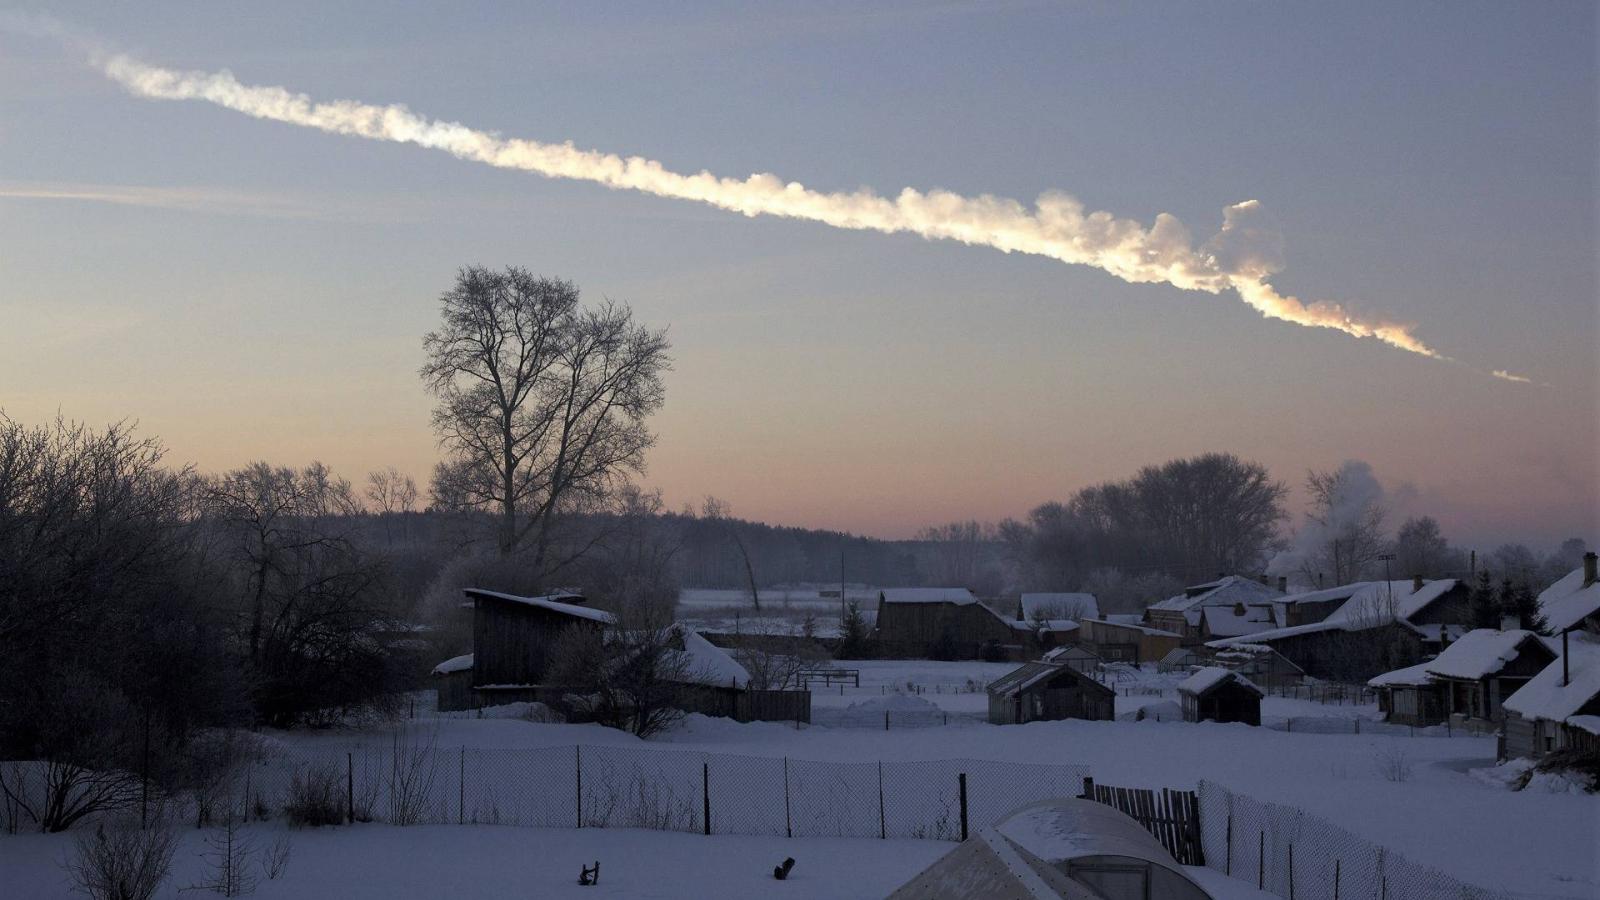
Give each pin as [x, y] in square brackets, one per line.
[512, 636]
[1478, 672]
[1220, 695]
[1042, 691]
[944, 622]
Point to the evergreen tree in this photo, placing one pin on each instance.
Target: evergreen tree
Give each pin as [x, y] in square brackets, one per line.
[856, 640]
[1483, 604]
[1519, 601]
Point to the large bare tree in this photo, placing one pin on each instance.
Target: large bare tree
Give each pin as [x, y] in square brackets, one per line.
[542, 403]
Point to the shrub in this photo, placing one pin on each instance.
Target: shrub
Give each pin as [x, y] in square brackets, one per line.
[1393, 762]
[1583, 764]
[123, 862]
[316, 797]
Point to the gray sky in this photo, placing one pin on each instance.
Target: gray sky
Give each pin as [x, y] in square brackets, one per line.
[251, 289]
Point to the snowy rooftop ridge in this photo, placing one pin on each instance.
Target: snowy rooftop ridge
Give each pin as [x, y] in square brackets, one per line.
[709, 664]
[1569, 601]
[958, 596]
[552, 602]
[1222, 592]
[1369, 606]
[1480, 653]
[1210, 678]
[1410, 676]
[1545, 697]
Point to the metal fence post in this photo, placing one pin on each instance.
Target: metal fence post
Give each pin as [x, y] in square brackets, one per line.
[883, 828]
[961, 780]
[461, 784]
[1228, 867]
[886, 720]
[705, 794]
[349, 788]
[1291, 872]
[578, 756]
[1336, 880]
[788, 823]
[1261, 863]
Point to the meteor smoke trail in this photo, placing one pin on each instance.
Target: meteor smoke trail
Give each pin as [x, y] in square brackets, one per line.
[1240, 257]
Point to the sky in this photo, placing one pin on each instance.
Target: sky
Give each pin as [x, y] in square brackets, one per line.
[250, 289]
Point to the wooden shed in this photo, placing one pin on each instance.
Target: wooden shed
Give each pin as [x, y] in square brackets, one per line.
[512, 636]
[1127, 641]
[1559, 708]
[1409, 696]
[1042, 691]
[934, 622]
[1220, 695]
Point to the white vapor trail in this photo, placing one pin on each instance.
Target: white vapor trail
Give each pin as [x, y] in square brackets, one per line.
[1241, 257]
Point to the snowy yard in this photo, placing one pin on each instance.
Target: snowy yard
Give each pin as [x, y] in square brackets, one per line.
[1544, 843]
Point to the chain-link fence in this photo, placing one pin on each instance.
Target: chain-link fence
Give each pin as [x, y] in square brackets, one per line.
[669, 790]
[890, 719]
[1286, 852]
[1358, 725]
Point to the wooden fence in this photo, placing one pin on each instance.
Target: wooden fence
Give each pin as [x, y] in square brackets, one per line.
[1173, 817]
[773, 706]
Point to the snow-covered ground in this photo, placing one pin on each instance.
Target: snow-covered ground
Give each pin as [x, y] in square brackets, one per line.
[1534, 843]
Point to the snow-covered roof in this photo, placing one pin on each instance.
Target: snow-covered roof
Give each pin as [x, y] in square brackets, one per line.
[1370, 605]
[1225, 621]
[1029, 674]
[1135, 626]
[454, 664]
[1545, 697]
[708, 663]
[1410, 676]
[1060, 605]
[1073, 651]
[552, 602]
[1222, 592]
[1481, 652]
[1569, 601]
[1062, 830]
[1058, 626]
[1590, 724]
[1208, 679]
[958, 596]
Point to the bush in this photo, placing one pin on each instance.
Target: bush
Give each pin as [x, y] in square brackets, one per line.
[123, 863]
[1583, 765]
[316, 797]
[1393, 762]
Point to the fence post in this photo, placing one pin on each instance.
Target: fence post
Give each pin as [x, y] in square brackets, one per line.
[461, 783]
[1261, 863]
[961, 780]
[788, 823]
[1088, 787]
[1291, 872]
[1228, 866]
[883, 827]
[1336, 880]
[578, 755]
[349, 788]
[886, 720]
[705, 794]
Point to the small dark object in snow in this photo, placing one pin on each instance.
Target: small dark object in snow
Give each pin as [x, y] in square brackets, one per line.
[589, 876]
[782, 872]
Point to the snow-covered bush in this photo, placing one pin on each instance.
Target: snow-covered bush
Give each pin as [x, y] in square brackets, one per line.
[123, 862]
[1569, 770]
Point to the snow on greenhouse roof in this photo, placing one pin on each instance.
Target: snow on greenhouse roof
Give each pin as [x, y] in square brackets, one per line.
[1569, 601]
[1480, 653]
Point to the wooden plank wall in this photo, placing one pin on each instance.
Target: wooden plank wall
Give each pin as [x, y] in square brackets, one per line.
[1173, 817]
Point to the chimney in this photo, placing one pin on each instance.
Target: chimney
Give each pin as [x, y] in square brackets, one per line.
[1416, 583]
[1589, 574]
[1283, 584]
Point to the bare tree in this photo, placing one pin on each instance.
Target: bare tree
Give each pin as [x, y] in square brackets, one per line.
[542, 403]
[632, 675]
[959, 554]
[390, 492]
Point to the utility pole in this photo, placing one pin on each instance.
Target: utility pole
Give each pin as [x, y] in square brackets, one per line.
[1386, 557]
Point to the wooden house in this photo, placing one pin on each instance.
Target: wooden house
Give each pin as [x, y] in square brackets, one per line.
[1559, 708]
[1220, 695]
[1126, 641]
[1185, 613]
[931, 622]
[1480, 670]
[1574, 601]
[1259, 663]
[1041, 691]
[1380, 626]
[1409, 696]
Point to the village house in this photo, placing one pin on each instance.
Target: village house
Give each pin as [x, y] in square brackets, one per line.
[1478, 672]
[930, 622]
[1559, 708]
[1118, 641]
[1261, 664]
[1185, 614]
[1574, 601]
[1039, 691]
[1216, 694]
[1379, 626]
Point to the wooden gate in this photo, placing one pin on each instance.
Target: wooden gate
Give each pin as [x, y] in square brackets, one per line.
[1173, 817]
